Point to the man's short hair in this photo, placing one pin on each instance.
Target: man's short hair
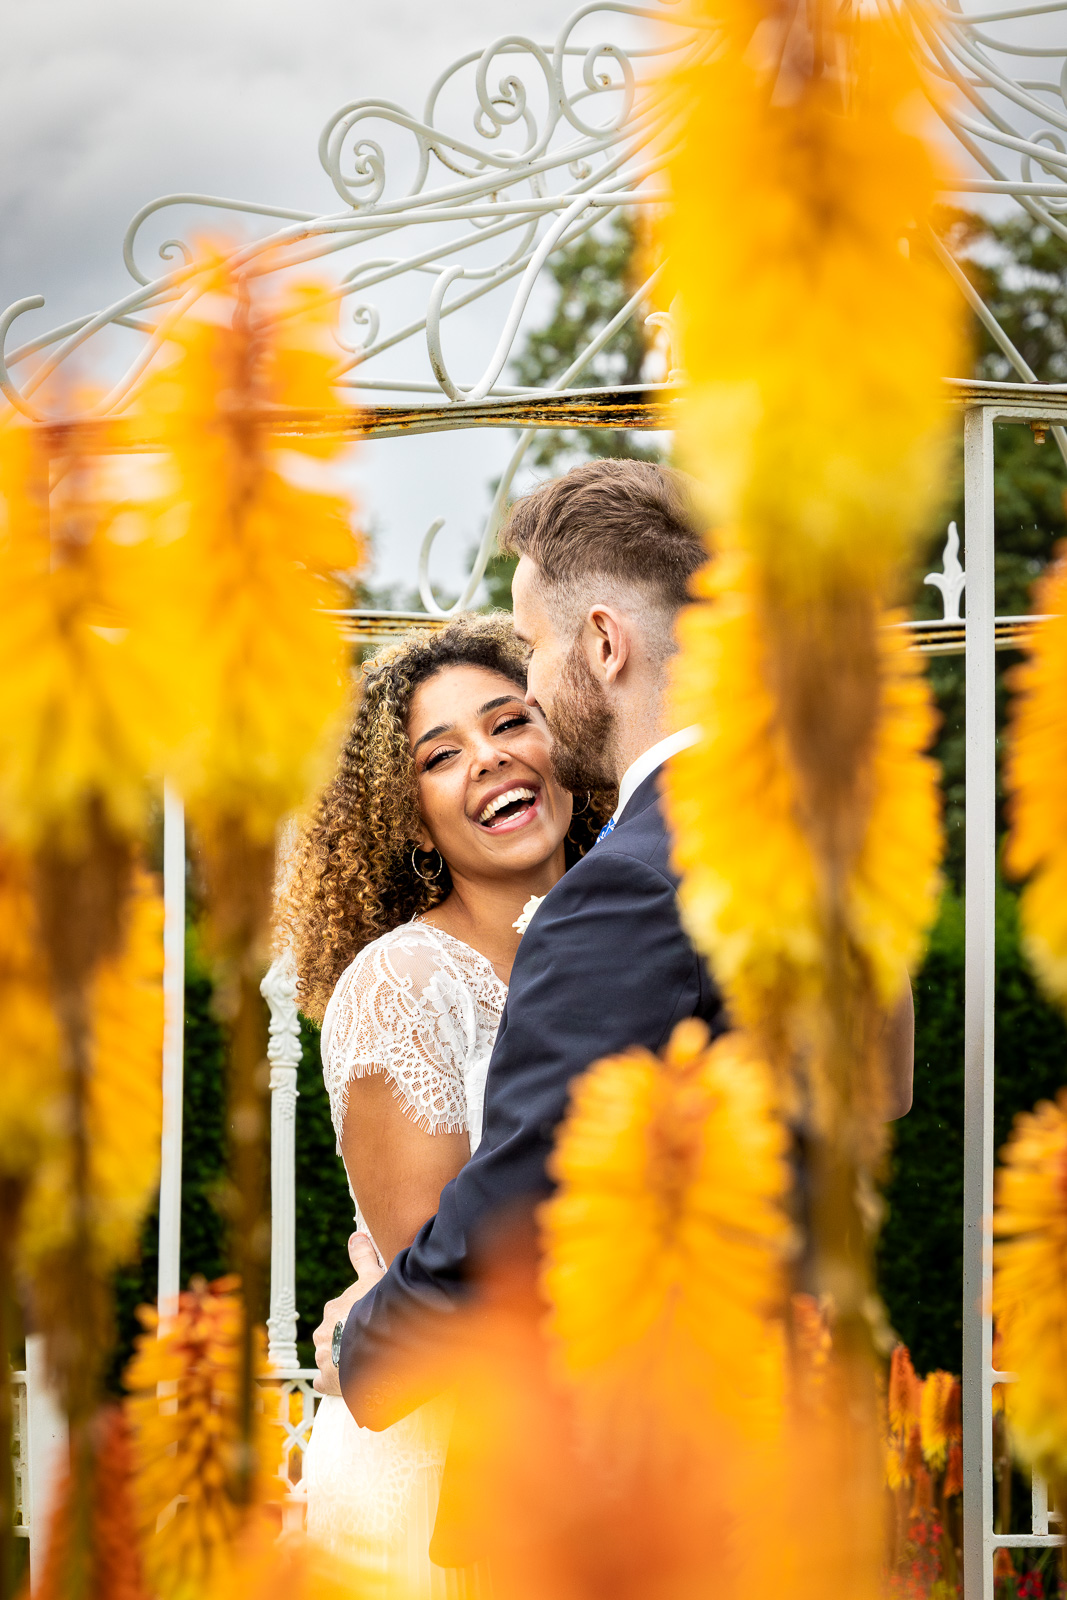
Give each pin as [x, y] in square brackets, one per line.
[631, 522]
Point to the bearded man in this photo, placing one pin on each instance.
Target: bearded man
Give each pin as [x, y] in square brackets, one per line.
[606, 554]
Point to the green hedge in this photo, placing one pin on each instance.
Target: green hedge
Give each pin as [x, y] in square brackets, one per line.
[203, 1160]
[324, 1207]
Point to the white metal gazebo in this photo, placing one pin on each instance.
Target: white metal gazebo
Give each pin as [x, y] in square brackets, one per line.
[518, 151]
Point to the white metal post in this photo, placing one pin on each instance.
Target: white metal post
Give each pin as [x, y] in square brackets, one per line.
[47, 1451]
[978, 1024]
[283, 1052]
[170, 1172]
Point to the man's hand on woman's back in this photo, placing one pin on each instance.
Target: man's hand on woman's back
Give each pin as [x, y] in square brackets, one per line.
[364, 1259]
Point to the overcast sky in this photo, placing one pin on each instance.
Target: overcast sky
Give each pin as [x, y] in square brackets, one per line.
[105, 104]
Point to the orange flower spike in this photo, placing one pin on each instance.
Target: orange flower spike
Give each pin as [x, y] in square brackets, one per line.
[186, 1441]
[936, 1395]
[115, 1567]
[903, 1411]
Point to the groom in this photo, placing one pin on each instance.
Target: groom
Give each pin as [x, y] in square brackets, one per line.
[605, 558]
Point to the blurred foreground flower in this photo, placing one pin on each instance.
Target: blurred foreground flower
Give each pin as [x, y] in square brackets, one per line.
[684, 1159]
[184, 1382]
[250, 565]
[816, 333]
[86, 688]
[1037, 778]
[754, 894]
[31, 1114]
[113, 1569]
[29, 1109]
[1030, 1288]
[263, 1566]
[254, 553]
[641, 1440]
[122, 1109]
[85, 702]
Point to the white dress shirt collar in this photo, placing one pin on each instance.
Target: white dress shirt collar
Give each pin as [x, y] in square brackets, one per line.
[639, 770]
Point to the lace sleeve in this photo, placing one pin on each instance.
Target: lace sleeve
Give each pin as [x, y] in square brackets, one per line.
[400, 1010]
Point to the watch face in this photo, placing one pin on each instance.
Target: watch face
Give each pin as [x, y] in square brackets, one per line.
[335, 1343]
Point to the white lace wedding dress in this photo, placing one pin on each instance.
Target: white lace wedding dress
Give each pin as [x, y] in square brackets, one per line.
[423, 1008]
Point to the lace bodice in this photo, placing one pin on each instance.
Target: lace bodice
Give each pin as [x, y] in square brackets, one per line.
[423, 1008]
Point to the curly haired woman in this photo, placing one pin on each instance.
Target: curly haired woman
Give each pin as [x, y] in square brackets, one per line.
[444, 818]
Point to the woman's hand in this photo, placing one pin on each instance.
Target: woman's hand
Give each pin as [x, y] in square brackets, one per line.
[364, 1259]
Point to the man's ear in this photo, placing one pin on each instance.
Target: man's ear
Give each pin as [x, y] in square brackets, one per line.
[608, 641]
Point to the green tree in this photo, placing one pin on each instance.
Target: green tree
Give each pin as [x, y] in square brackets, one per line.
[594, 278]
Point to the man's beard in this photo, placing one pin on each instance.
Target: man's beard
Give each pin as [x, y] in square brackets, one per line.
[582, 725]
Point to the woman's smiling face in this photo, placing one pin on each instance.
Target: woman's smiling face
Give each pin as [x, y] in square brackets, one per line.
[483, 761]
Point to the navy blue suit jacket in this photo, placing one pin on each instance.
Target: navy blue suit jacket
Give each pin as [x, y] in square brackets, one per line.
[604, 964]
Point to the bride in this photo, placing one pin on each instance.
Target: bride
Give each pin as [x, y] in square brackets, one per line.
[443, 820]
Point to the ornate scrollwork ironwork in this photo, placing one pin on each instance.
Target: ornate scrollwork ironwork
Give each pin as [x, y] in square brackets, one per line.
[547, 140]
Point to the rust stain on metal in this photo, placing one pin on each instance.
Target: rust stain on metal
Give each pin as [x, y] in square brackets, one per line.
[589, 408]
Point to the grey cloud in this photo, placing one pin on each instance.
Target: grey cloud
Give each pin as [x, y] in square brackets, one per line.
[107, 104]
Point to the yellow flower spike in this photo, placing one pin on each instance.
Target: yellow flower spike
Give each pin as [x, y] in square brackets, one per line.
[126, 1090]
[933, 1418]
[749, 888]
[1037, 779]
[124, 1105]
[251, 549]
[1030, 1287]
[250, 556]
[664, 1243]
[85, 699]
[31, 1118]
[896, 882]
[816, 335]
[750, 893]
[816, 332]
[181, 1376]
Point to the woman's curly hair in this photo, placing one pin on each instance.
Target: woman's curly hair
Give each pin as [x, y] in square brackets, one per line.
[352, 878]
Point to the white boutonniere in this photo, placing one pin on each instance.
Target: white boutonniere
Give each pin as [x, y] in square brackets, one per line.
[522, 922]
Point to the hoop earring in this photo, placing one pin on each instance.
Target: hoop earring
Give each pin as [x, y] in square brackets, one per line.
[578, 810]
[428, 877]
